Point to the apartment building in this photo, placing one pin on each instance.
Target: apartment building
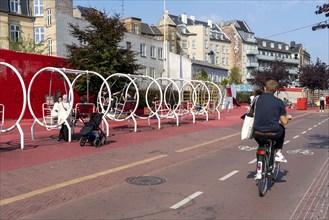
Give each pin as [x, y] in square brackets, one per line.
[243, 48]
[146, 41]
[292, 55]
[16, 23]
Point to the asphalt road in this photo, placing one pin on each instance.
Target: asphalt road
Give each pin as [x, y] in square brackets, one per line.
[209, 175]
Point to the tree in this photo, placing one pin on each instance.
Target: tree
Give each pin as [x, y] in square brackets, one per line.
[277, 70]
[314, 76]
[27, 46]
[235, 76]
[100, 52]
[203, 76]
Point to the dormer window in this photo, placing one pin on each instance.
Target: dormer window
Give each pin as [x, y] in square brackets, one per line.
[136, 29]
[15, 6]
[264, 43]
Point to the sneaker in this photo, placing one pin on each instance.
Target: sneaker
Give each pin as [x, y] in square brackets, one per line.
[258, 176]
[280, 158]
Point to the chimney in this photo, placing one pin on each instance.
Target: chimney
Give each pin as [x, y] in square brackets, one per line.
[192, 17]
[210, 23]
[184, 18]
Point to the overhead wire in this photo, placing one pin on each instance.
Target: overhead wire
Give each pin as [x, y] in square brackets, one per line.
[296, 29]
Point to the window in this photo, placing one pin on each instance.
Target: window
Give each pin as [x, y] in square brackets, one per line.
[217, 60]
[48, 17]
[50, 46]
[143, 50]
[226, 61]
[39, 35]
[172, 35]
[82, 42]
[136, 29]
[38, 7]
[152, 52]
[160, 53]
[15, 6]
[193, 44]
[151, 72]
[223, 49]
[227, 51]
[14, 33]
[128, 45]
[272, 45]
[184, 44]
[264, 43]
[193, 56]
[287, 48]
[206, 57]
[217, 48]
[223, 60]
[206, 44]
[280, 46]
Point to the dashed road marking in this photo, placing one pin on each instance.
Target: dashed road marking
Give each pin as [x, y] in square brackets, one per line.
[253, 161]
[309, 129]
[314, 126]
[296, 136]
[286, 142]
[229, 175]
[304, 132]
[186, 200]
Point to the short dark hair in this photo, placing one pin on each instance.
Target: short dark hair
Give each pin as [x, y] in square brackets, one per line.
[271, 86]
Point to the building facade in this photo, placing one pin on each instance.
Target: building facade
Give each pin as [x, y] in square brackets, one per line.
[243, 49]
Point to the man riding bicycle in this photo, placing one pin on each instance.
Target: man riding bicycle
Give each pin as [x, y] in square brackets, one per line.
[270, 116]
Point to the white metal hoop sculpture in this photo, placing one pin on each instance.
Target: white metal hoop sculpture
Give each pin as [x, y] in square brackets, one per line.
[188, 98]
[71, 99]
[215, 97]
[126, 109]
[169, 108]
[202, 98]
[142, 83]
[79, 74]
[17, 124]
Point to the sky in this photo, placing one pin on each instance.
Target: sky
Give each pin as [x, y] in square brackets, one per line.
[280, 20]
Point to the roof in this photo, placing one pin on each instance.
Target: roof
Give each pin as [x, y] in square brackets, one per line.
[275, 48]
[239, 25]
[203, 63]
[150, 30]
[85, 10]
[178, 20]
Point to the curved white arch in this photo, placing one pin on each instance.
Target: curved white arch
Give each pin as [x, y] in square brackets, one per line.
[23, 106]
[54, 69]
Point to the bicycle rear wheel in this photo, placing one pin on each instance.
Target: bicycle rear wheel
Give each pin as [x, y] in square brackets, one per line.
[276, 170]
[263, 182]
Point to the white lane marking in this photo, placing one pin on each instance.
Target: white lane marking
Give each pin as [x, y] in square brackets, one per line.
[304, 132]
[296, 136]
[314, 126]
[310, 129]
[319, 123]
[253, 161]
[186, 200]
[229, 175]
[286, 142]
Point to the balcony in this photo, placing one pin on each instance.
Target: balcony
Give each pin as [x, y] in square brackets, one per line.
[264, 57]
[252, 64]
[251, 52]
[288, 60]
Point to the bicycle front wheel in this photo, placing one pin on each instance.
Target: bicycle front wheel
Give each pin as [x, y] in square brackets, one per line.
[263, 182]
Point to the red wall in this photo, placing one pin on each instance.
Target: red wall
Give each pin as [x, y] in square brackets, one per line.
[11, 94]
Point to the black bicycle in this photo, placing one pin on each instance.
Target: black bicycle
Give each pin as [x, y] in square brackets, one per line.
[267, 169]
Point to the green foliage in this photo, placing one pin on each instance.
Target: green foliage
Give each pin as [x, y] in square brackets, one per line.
[243, 97]
[101, 52]
[203, 76]
[314, 76]
[278, 71]
[235, 76]
[224, 82]
[27, 46]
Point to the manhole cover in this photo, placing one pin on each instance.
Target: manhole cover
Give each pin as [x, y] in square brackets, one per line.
[145, 180]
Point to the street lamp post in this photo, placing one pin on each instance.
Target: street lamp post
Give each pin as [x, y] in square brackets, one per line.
[181, 28]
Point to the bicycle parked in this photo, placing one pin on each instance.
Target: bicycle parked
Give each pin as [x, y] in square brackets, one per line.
[267, 168]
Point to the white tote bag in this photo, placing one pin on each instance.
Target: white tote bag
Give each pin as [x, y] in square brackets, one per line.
[248, 122]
